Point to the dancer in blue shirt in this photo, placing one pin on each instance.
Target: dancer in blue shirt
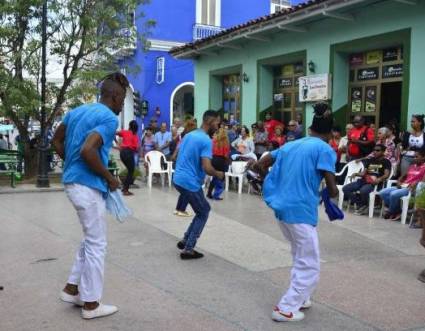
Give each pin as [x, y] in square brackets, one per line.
[291, 189]
[193, 162]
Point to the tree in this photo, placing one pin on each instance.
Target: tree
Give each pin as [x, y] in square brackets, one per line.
[85, 37]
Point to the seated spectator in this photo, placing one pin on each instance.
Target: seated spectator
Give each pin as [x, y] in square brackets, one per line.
[163, 140]
[254, 129]
[384, 138]
[361, 139]
[293, 132]
[278, 136]
[148, 144]
[270, 124]
[412, 141]
[342, 149]
[244, 146]
[407, 183]
[376, 172]
[260, 140]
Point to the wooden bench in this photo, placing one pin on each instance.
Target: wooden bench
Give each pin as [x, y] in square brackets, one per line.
[8, 165]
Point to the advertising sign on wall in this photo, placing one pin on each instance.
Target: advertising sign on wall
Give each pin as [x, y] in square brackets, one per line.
[392, 71]
[374, 57]
[285, 82]
[356, 99]
[368, 73]
[315, 88]
[370, 104]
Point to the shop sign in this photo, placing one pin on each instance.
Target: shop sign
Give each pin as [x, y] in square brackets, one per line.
[298, 68]
[390, 54]
[356, 99]
[315, 87]
[368, 73]
[374, 57]
[370, 104]
[356, 59]
[285, 82]
[278, 97]
[391, 71]
[288, 70]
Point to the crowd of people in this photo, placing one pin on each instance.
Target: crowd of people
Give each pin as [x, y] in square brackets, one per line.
[388, 155]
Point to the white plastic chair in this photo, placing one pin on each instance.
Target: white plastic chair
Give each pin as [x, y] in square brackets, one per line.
[236, 170]
[154, 159]
[373, 194]
[404, 203]
[352, 167]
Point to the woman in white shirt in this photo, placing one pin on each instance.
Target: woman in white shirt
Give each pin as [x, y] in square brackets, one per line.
[244, 145]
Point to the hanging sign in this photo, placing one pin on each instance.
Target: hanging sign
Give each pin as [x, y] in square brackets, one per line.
[370, 104]
[356, 59]
[315, 87]
[288, 70]
[285, 82]
[391, 71]
[374, 57]
[390, 54]
[356, 99]
[368, 73]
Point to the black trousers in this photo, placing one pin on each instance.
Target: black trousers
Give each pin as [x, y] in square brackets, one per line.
[127, 157]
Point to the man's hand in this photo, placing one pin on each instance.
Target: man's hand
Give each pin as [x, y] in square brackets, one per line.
[113, 184]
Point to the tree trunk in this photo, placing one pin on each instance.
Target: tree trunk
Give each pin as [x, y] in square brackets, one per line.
[31, 161]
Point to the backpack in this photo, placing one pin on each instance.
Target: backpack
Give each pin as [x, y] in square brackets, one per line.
[365, 150]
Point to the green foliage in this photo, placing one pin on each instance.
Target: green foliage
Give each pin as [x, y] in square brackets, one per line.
[420, 199]
[84, 40]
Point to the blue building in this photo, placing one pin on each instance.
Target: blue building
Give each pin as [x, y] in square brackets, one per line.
[166, 84]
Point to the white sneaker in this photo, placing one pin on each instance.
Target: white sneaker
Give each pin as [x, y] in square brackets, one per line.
[307, 304]
[182, 213]
[101, 311]
[280, 316]
[75, 299]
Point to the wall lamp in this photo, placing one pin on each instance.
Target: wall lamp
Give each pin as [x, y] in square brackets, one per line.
[312, 67]
[245, 77]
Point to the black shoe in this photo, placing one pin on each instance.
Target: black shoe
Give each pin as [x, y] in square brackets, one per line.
[191, 255]
[181, 244]
[209, 196]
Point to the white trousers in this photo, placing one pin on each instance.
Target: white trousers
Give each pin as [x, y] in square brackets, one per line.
[88, 269]
[305, 265]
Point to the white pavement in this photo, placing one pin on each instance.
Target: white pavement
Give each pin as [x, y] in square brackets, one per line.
[368, 279]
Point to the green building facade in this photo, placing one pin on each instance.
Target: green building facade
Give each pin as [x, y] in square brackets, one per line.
[373, 52]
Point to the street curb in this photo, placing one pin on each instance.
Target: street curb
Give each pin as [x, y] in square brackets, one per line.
[31, 190]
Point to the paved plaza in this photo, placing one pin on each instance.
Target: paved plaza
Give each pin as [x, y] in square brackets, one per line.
[368, 279]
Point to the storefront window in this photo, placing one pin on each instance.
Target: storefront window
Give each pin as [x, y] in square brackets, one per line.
[231, 96]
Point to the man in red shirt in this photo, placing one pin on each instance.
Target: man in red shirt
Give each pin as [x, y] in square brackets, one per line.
[361, 139]
[270, 125]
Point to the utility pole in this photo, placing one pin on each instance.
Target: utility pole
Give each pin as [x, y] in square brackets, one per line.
[43, 176]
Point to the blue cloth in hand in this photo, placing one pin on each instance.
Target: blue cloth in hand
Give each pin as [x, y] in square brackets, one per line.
[116, 206]
[334, 213]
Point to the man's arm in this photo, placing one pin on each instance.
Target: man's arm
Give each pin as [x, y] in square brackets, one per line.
[330, 183]
[209, 169]
[58, 141]
[90, 154]
[383, 178]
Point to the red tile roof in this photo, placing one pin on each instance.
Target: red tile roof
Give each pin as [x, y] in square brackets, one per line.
[259, 20]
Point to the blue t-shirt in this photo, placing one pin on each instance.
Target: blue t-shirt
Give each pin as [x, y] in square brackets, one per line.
[291, 188]
[80, 123]
[189, 173]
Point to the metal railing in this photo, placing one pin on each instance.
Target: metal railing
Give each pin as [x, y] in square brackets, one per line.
[201, 31]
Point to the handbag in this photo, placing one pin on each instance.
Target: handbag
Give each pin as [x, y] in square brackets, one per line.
[365, 149]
